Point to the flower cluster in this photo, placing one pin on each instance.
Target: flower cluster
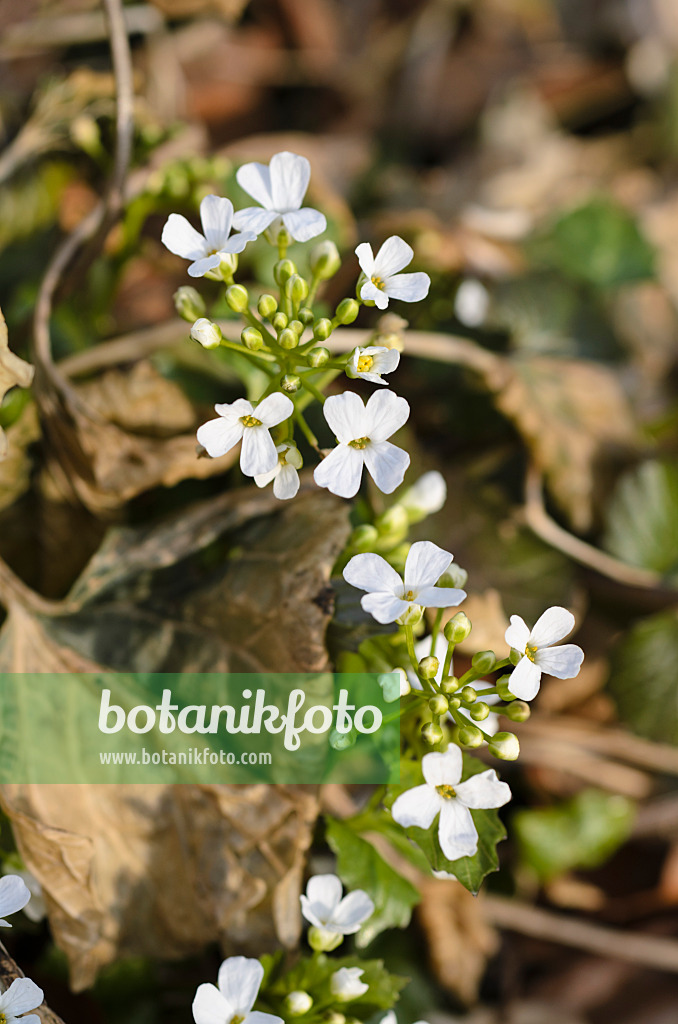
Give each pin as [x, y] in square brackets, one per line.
[23, 994]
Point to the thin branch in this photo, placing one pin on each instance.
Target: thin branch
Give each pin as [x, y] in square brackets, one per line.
[9, 972]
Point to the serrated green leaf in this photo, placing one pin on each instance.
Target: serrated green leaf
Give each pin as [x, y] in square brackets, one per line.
[643, 677]
[642, 518]
[360, 867]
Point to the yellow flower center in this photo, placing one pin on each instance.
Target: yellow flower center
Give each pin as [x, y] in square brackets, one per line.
[446, 792]
[409, 596]
[377, 281]
[3, 1018]
[235, 1019]
[365, 363]
[531, 652]
[281, 459]
[247, 421]
[359, 443]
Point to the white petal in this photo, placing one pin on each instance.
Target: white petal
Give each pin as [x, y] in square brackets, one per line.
[555, 624]
[352, 911]
[393, 256]
[386, 464]
[182, 239]
[373, 378]
[210, 1007]
[203, 265]
[239, 980]
[30, 1018]
[258, 454]
[365, 258]
[234, 410]
[345, 415]
[385, 359]
[442, 769]
[425, 564]
[457, 833]
[525, 679]
[517, 634]
[21, 996]
[427, 495]
[341, 471]
[236, 243]
[384, 607]
[562, 662]
[440, 597]
[274, 409]
[290, 175]
[324, 893]
[416, 807]
[14, 893]
[372, 573]
[304, 224]
[385, 413]
[370, 293]
[255, 179]
[286, 483]
[219, 436]
[216, 216]
[253, 219]
[408, 287]
[264, 479]
[257, 1017]
[483, 790]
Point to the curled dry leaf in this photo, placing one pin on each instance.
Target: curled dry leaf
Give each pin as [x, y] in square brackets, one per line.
[13, 372]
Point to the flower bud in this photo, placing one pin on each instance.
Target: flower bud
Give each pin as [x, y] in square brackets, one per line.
[394, 685]
[317, 357]
[470, 736]
[342, 740]
[457, 628]
[322, 940]
[267, 306]
[454, 576]
[439, 705]
[189, 303]
[322, 329]
[363, 537]
[290, 383]
[288, 338]
[468, 695]
[479, 711]
[393, 521]
[484, 661]
[279, 321]
[345, 984]
[431, 734]
[227, 267]
[334, 1018]
[324, 260]
[297, 327]
[453, 703]
[411, 616]
[428, 667]
[296, 288]
[425, 497]
[450, 684]
[283, 270]
[252, 339]
[306, 316]
[298, 1003]
[206, 333]
[505, 746]
[503, 688]
[347, 311]
[514, 656]
[237, 298]
[518, 711]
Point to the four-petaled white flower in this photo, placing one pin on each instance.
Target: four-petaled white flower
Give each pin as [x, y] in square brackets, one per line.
[369, 363]
[322, 905]
[21, 996]
[231, 1002]
[345, 984]
[426, 496]
[242, 421]
[538, 653]
[444, 794]
[384, 281]
[388, 596]
[280, 189]
[362, 432]
[205, 251]
[285, 475]
[14, 895]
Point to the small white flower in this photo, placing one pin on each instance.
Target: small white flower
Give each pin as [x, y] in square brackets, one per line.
[394, 684]
[205, 251]
[388, 596]
[206, 333]
[538, 653]
[384, 281]
[491, 724]
[345, 984]
[362, 432]
[21, 996]
[239, 980]
[298, 1003]
[36, 908]
[369, 363]
[425, 497]
[323, 906]
[241, 421]
[280, 189]
[444, 794]
[471, 303]
[14, 895]
[285, 475]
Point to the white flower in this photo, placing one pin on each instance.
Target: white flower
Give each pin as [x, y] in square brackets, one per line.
[443, 793]
[239, 980]
[21, 996]
[383, 280]
[395, 684]
[345, 984]
[388, 596]
[369, 363]
[362, 432]
[471, 303]
[538, 653]
[280, 189]
[36, 908]
[324, 907]
[206, 333]
[14, 895]
[425, 497]
[205, 251]
[491, 724]
[298, 1003]
[285, 474]
[241, 421]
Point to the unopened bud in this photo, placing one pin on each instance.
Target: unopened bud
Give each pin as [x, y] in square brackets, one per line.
[189, 303]
[470, 736]
[237, 298]
[454, 576]
[439, 705]
[479, 711]
[322, 940]
[298, 1003]
[322, 329]
[431, 734]
[347, 311]
[343, 740]
[453, 703]
[317, 357]
[468, 694]
[518, 711]
[290, 383]
[363, 537]
[411, 616]
[252, 339]
[297, 327]
[288, 338]
[503, 688]
[457, 628]
[450, 684]
[514, 656]
[267, 306]
[296, 288]
[279, 321]
[283, 270]
[393, 521]
[505, 746]
[484, 661]
[206, 333]
[428, 667]
[324, 260]
[306, 316]
[334, 1018]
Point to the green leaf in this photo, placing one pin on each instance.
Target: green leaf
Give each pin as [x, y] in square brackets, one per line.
[360, 867]
[313, 975]
[579, 833]
[642, 518]
[643, 677]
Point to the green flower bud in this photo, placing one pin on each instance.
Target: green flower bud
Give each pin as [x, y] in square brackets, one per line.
[470, 736]
[298, 1003]
[347, 311]
[428, 667]
[322, 329]
[290, 383]
[296, 288]
[342, 740]
[412, 616]
[297, 327]
[503, 690]
[457, 628]
[288, 338]
[479, 711]
[363, 538]
[317, 357]
[206, 333]
[468, 694]
[237, 298]
[227, 267]
[267, 306]
[279, 321]
[514, 656]
[439, 705]
[393, 521]
[518, 711]
[189, 303]
[450, 684]
[484, 661]
[324, 260]
[283, 270]
[431, 734]
[252, 339]
[505, 746]
[306, 316]
[453, 703]
[322, 940]
[334, 1018]
[454, 576]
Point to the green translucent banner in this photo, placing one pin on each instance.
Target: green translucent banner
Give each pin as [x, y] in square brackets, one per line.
[198, 728]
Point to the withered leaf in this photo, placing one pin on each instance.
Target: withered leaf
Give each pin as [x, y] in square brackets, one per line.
[13, 372]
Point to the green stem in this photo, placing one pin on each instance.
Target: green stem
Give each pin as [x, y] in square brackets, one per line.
[258, 360]
[448, 660]
[409, 639]
[326, 379]
[464, 722]
[305, 429]
[313, 389]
